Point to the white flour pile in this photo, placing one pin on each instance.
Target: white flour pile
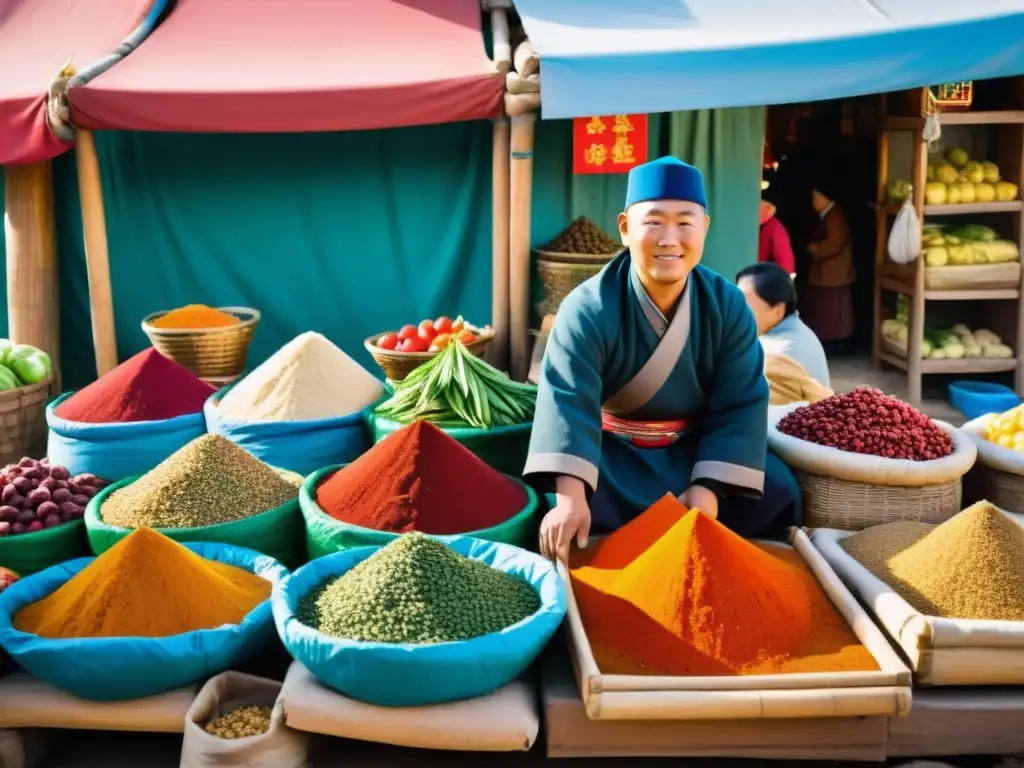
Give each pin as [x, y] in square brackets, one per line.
[308, 378]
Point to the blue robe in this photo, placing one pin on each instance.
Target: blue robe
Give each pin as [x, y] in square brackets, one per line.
[611, 349]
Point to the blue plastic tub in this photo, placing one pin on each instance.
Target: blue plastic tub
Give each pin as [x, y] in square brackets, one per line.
[977, 398]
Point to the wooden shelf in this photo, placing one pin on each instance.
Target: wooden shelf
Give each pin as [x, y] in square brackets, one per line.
[962, 366]
[1004, 117]
[923, 285]
[961, 209]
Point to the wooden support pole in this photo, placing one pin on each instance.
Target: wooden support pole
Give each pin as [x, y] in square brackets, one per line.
[916, 322]
[33, 292]
[97, 258]
[499, 348]
[521, 186]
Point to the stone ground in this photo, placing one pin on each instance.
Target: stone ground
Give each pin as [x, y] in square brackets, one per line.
[74, 749]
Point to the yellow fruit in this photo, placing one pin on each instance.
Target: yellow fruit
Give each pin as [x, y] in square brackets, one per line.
[1006, 191]
[946, 173]
[984, 193]
[935, 193]
[953, 194]
[991, 171]
[966, 192]
[936, 256]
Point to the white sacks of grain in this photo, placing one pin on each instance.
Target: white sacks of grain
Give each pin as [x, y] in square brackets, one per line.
[302, 409]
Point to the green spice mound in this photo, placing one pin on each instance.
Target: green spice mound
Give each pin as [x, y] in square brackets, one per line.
[208, 481]
[417, 590]
[970, 567]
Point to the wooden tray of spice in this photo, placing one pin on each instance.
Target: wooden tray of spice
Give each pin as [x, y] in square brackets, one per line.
[882, 691]
[944, 651]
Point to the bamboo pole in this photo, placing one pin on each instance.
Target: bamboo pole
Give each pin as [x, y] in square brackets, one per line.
[97, 258]
[499, 348]
[521, 184]
[33, 292]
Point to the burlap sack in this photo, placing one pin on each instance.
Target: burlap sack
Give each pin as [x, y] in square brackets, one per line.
[280, 747]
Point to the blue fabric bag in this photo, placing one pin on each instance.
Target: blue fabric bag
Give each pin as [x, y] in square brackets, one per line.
[117, 451]
[122, 668]
[301, 446]
[409, 675]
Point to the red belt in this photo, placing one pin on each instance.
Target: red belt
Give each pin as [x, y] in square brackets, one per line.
[644, 434]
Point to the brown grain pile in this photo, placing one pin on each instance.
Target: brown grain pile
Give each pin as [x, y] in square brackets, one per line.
[584, 237]
[970, 567]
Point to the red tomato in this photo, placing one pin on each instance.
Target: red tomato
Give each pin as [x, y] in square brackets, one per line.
[408, 332]
[467, 337]
[443, 324]
[388, 341]
[442, 340]
[416, 345]
[426, 331]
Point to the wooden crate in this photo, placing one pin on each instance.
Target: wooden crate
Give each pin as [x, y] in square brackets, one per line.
[960, 721]
[571, 733]
[973, 277]
[749, 697]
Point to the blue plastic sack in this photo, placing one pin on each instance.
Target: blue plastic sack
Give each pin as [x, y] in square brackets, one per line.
[408, 675]
[121, 668]
[301, 446]
[117, 451]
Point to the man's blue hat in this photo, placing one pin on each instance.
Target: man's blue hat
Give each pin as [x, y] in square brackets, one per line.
[666, 178]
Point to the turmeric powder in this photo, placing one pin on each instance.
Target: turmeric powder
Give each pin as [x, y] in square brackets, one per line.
[146, 585]
[195, 316]
[674, 592]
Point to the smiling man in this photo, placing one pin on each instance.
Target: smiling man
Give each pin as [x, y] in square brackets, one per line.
[653, 382]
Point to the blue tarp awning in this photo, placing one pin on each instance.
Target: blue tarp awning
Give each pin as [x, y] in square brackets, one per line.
[601, 57]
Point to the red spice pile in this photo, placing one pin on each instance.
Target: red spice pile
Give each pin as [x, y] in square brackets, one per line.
[868, 421]
[146, 387]
[420, 479]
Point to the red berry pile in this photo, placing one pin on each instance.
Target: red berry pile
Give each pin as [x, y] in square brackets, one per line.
[37, 494]
[867, 421]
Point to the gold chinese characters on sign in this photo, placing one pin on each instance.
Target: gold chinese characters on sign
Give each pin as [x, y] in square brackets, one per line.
[609, 143]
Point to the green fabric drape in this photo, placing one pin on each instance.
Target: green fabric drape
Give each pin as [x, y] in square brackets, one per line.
[351, 233]
[727, 144]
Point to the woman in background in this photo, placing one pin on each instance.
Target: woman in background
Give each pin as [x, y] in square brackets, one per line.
[774, 246]
[828, 303]
[771, 296]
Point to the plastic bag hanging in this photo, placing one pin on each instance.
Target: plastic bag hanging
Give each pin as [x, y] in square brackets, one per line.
[932, 126]
[905, 236]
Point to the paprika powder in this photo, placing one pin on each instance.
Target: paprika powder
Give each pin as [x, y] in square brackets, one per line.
[195, 316]
[675, 592]
[146, 387]
[420, 479]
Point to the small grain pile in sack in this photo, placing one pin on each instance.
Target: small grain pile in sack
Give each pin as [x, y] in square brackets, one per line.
[301, 409]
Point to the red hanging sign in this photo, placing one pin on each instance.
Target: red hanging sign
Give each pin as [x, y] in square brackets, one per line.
[608, 143]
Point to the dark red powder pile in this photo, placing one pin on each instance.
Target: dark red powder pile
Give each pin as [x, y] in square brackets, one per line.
[420, 479]
[146, 387]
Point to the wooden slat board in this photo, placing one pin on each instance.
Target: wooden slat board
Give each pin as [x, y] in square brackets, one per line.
[571, 733]
[960, 721]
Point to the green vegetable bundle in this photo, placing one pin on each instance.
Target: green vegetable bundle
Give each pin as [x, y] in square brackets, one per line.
[22, 365]
[458, 389]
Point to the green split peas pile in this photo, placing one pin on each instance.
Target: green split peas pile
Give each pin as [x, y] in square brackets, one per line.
[417, 590]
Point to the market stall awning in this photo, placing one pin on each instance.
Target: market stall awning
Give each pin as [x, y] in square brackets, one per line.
[601, 57]
[283, 66]
[37, 37]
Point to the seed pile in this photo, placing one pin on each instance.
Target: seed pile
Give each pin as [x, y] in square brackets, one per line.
[208, 481]
[308, 378]
[583, 237]
[417, 590]
[970, 567]
[195, 316]
[867, 421]
[145, 586]
[240, 723]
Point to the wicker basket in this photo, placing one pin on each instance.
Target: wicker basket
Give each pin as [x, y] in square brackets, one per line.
[561, 272]
[217, 354]
[23, 422]
[1004, 489]
[398, 365]
[851, 506]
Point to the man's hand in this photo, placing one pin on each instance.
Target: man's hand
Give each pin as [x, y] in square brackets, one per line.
[703, 499]
[570, 518]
